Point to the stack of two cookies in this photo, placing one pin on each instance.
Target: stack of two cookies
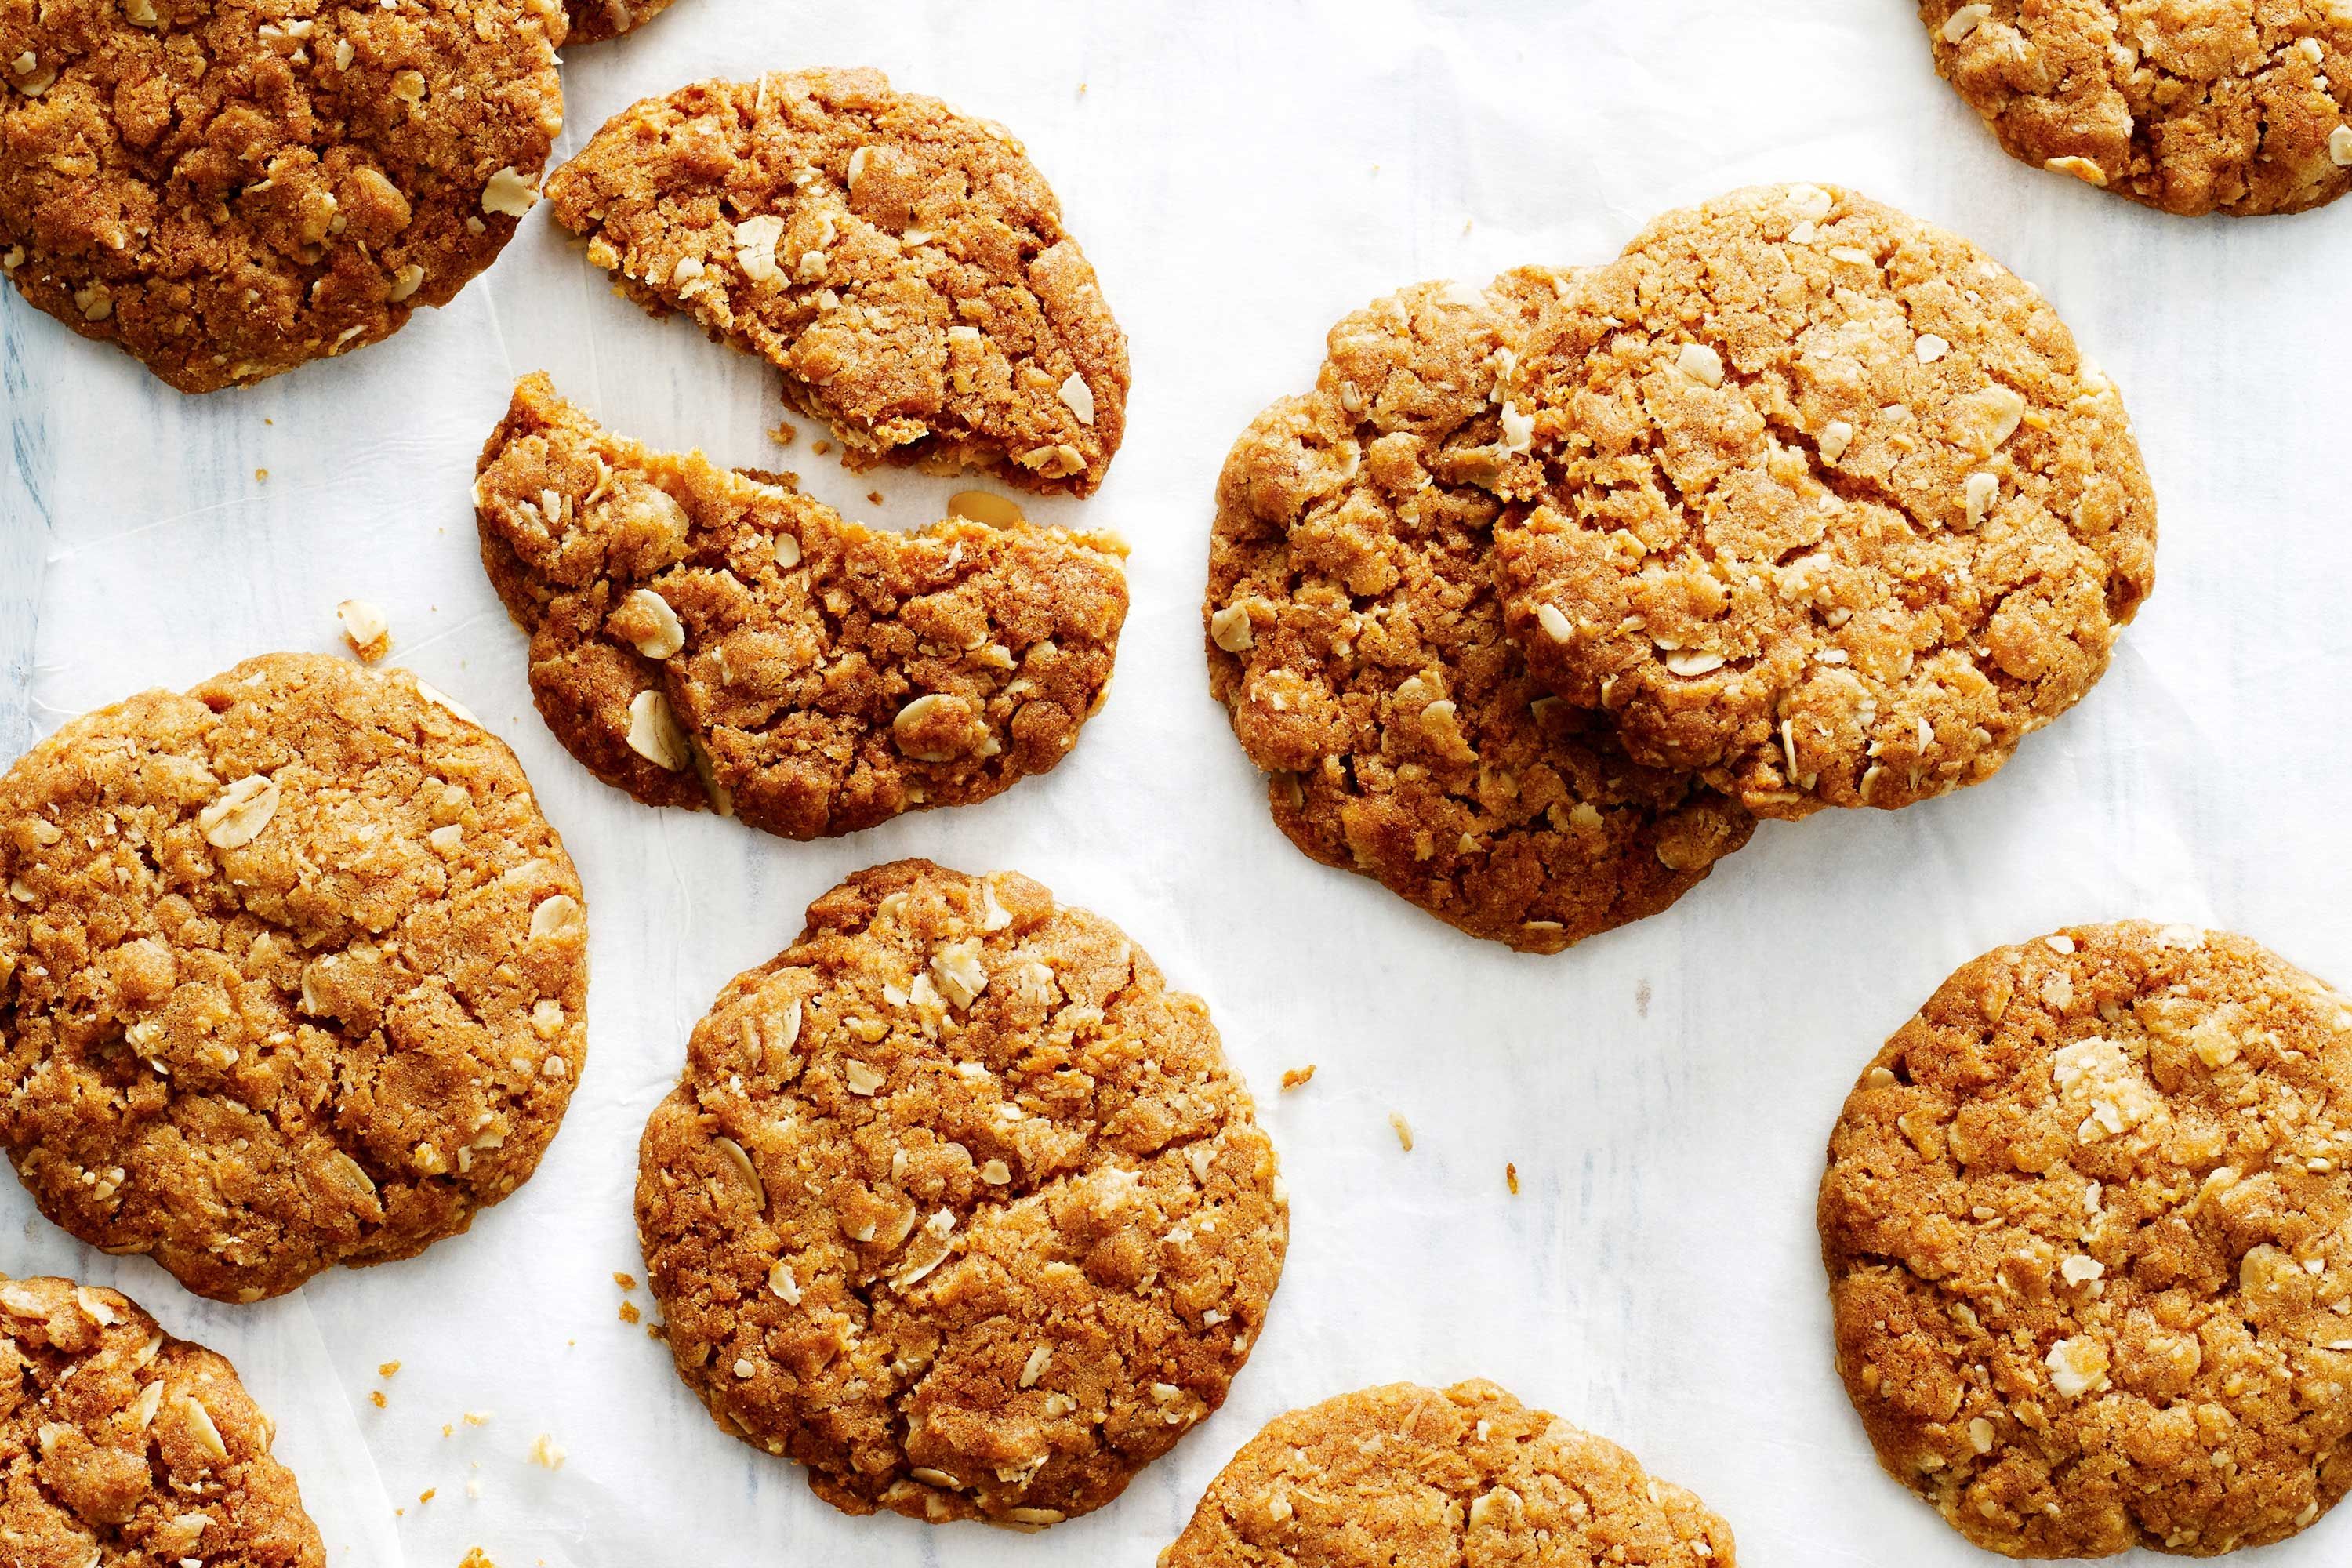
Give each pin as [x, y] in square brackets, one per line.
[1551, 589]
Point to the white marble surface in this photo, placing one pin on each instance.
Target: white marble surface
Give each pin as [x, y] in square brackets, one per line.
[1242, 174]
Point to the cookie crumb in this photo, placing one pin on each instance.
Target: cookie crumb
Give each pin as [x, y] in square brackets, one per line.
[874, 497]
[1511, 1175]
[784, 434]
[365, 629]
[625, 1281]
[387, 1369]
[821, 448]
[546, 1452]
[629, 1313]
[477, 1558]
[1297, 1078]
[261, 473]
[378, 1400]
[477, 1418]
[1403, 1129]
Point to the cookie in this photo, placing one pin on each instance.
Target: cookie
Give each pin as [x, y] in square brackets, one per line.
[120, 1445]
[902, 264]
[226, 189]
[958, 1206]
[593, 21]
[2193, 106]
[292, 973]
[2088, 1227]
[1355, 635]
[1408, 1477]
[702, 637]
[1834, 511]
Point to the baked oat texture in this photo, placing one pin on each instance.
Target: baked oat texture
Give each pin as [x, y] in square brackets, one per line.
[1834, 512]
[2088, 1225]
[702, 637]
[902, 264]
[593, 21]
[292, 973]
[226, 189]
[122, 1446]
[1406, 1477]
[958, 1206]
[2193, 106]
[1354, 633]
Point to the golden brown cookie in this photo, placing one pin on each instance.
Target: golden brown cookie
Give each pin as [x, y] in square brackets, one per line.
[705, 636]
[2193, 106]
[2088, 1227]
[226, 189]
[958, 1206]
[1354, 633]
[902, 264]
[1834, 511]
[1407, 1476]
[122, 1446]
[593, 21]
[292, 973]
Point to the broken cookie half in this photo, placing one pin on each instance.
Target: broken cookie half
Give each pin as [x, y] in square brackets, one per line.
[904, 266]
[705, 636]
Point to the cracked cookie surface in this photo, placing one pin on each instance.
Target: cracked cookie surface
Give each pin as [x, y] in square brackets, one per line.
[292, 973]
[705, 637]
[1355, 635]
[2088, 1227]
[904, 266]
[593, 21]
[1408, 1477]
[958, 1206]
[1833, 510]
[226, 189]
[2192, 106]
[120, 1445]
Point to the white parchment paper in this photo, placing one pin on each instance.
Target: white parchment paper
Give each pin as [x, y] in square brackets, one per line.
[1242, 173]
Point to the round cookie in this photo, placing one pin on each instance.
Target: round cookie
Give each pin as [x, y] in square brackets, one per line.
[120, 1445]
[705, 636]
[2088, 1227]
[593, 21]
[1834, 512]
[1408, 1477]
[292, 973]
[958, 1206]
[226, 189]
[905, 266]
[2192, 106]
[1354, 633]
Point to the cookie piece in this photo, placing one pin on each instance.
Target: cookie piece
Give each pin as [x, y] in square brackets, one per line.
[705, 636]
[1426, 1477]
[593, 21]
[2088, 1227]
[1354, 633]
[292, 973]
[903, 265]
[958, 1206]
[120, 1445]
[2193, 106]
[1833, 511]
[226, 189]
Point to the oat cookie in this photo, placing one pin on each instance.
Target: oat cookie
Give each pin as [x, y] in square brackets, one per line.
[2193, 106]
[903, 265]
[1833, 511]
[958, 1206]
[226, 189]
[593, 21]
[1408, 1477]
[705, 636]
[2088, 1227]
[1354, 633]
[292, 973]
[120, 1445]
